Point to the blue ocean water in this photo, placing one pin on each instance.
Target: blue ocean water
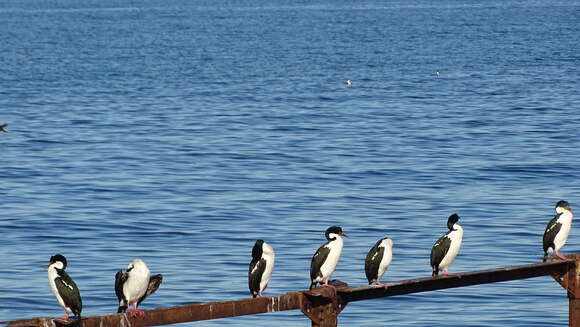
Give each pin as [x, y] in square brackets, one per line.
[181, 131]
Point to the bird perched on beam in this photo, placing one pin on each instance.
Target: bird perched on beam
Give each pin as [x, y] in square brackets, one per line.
[326, 257]
[447, 246]
[261, 267]
[64, 288]
[135, 285]
[378, 260]
[557, 231]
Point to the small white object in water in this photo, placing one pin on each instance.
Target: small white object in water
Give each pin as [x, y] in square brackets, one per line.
[348, 82]
[437, 74]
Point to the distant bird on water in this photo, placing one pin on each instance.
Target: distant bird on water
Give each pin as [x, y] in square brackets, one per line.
[2, 128]
[437, 74]
[135, 285]
[378, 260]
[447, 246]
[326, 257]
[261, 267]
[348, 82]
[557, 231]
[64, 288]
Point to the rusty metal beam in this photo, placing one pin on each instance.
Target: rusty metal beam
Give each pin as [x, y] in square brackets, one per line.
[185, 313]
[419, 285]
[570, 281]
[323, 305]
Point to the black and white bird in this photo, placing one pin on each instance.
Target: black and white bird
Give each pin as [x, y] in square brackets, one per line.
[135, 285]
[557, 231]
[64, 288]
[378, 260]
[261, 267]
[2, 128]
[447, 246]
[326, 257]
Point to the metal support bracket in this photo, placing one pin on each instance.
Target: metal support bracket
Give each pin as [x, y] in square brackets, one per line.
[570, 280]
[323, 305]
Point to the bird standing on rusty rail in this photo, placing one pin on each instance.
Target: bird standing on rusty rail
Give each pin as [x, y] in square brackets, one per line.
[557, 231]
[261, 267]
[326, 257]
[64, 288]
[378, 260]
[135, 285]
[447, 246]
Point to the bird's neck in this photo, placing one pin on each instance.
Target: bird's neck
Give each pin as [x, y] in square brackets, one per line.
[337, 241]
[566, 215]
[457, 227]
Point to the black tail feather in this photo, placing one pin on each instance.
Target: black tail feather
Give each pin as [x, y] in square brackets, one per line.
[122, 309]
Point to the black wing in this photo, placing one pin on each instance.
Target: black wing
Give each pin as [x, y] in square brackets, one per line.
[154, 282]
[550, 234]
[2, 130]
[438, 252]
[255, 278]
[120, 279]
[69, 292]
[373, 260]
[317, 260]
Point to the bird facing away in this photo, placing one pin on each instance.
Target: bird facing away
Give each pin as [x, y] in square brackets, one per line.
[135, 285]
[261, 267]
[326, 257]
[2, 130]
[557, 231]
[378, 260]
[447, 246]
[64, 288]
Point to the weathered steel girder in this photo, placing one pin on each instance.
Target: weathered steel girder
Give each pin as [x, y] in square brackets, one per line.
[322, 305]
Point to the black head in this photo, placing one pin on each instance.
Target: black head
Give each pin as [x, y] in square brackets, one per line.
[564, 205]
[452, 220]
[257, 249]
[57, 258]
[334, 230]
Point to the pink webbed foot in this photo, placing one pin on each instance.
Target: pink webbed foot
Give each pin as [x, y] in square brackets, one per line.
[380, 284]
[63, 317]
[328, 285]
[135, 312]
[446, 274]
[561, 256]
